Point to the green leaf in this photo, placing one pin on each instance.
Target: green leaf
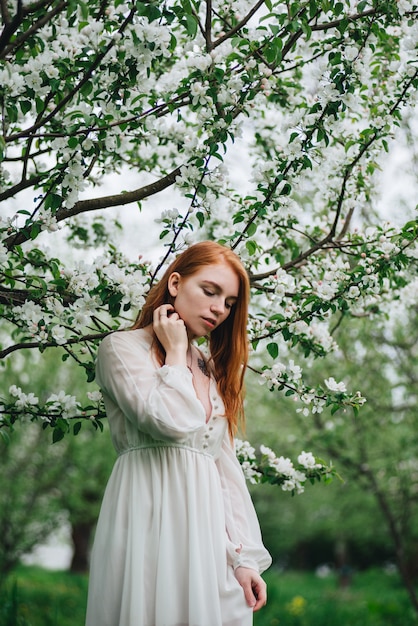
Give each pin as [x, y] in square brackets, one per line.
[273, 350]
[251, 247]
[53, 201]
[25, 106]
[73, 142]
[191, 25]
[57, 435]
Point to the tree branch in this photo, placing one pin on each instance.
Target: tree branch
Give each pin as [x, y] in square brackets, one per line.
[17, 20]
[88, 73]
[11, 25]
[350, 18]
[4, 11]
[21, 186]
[240, 24]
[208, 26]
[83, 206]
[50, 344]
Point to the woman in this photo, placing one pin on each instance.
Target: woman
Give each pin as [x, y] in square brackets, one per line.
[178, 541]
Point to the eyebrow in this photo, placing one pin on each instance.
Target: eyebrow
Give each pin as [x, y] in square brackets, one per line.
[219, 288]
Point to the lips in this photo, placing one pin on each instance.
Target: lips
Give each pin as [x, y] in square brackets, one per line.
[209, 322]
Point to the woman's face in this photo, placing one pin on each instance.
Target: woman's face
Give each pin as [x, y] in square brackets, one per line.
[204, 300]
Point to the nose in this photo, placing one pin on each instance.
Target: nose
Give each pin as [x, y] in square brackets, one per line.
[218, 306]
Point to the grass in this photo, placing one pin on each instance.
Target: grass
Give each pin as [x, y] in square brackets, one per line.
[36, 597]
[33, 596]
[373, 598]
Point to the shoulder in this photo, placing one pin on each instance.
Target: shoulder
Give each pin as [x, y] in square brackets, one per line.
[138, 339]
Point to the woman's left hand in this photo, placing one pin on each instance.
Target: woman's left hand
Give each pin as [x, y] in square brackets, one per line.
[255, 589]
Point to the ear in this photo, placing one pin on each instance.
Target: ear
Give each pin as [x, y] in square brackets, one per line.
[173, 284]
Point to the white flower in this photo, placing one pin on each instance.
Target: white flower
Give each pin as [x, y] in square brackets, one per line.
[295, 370]
[250, 473]
[24, 400]
[169, 214]
[245, 449]
[268, 452]
[15, 391]
[94, 396]
[64, 402]
[307, 459]
[198, 93]
[353, 292]
[332, 385]
[200, 62]
[350, 52]
[58, 334]
[284, 466]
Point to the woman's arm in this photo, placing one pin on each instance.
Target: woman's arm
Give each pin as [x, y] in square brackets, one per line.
[255, 589]
[245, 545]
[160, 401]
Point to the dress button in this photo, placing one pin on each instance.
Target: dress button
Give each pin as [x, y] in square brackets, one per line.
[205, 445]
[206, 436]
[210, 427]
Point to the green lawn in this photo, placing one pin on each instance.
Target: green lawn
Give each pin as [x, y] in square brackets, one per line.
[36, 597]
[302, 599]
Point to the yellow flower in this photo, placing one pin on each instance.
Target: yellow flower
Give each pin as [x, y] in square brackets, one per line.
[296, 606]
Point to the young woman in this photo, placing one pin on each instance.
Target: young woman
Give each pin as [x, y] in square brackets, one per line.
[178, 541]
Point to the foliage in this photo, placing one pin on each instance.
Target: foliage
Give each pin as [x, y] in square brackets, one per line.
[374, 598]
[34, 596]
[279, 470]
[29, 499]
[45, 485]
[374, 516]
[165, 89]
[304, 97]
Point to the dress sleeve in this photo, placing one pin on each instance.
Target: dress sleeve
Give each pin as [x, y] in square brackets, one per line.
[245, 545]
[160, 401]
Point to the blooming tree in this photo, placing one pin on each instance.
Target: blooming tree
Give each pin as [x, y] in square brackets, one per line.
[305, 96]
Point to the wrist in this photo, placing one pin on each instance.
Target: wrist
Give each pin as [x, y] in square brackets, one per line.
[176, 357]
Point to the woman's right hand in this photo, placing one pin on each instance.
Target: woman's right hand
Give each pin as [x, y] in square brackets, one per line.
[172, 333]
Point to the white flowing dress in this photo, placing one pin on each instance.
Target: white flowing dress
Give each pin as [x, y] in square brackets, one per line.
[176, 517]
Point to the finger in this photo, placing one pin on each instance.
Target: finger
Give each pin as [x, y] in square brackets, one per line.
[249, 595]
[162, 311]
[260, 592]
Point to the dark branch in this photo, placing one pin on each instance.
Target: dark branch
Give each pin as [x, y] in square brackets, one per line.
[50, 344]
[93, 204]
[240, 24]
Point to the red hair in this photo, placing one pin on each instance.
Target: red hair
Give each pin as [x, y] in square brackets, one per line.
[228, 343]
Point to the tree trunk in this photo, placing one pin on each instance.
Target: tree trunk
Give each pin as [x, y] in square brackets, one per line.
[81, 534]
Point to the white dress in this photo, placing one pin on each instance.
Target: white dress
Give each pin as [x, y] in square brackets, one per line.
[176, 517]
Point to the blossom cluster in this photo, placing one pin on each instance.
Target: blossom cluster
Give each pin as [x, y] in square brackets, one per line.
[288, 378]
[58, 411]
[278, 470]
[268, 127]
[107, 285]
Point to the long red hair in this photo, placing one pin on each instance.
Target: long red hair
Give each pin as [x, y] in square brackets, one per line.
[228, 343]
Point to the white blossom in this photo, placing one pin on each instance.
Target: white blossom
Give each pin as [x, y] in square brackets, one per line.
[332, 385]
[94, 396]
[307, 459]
[63, 402]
